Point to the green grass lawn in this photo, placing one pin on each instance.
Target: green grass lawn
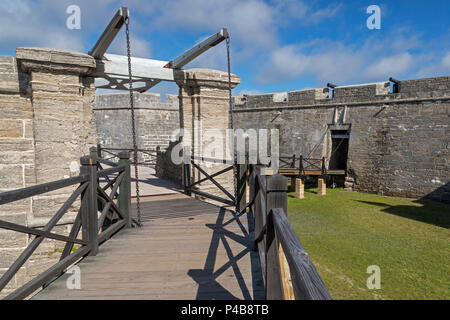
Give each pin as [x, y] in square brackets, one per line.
[345, 232]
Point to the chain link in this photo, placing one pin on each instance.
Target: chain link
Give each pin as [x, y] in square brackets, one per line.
[235, 173]
[133, 127]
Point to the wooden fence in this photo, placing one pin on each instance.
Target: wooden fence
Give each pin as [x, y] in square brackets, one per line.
[114, 208]
[148, 157]
[237, 199]
[304, 166]
[288, 273]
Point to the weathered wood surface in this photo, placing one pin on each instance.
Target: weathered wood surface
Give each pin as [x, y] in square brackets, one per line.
[187, 249]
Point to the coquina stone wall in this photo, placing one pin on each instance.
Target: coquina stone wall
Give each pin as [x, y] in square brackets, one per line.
[46, 125]
[399, 142]
[156, 122]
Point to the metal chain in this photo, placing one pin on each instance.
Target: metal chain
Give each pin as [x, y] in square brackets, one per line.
[236, 178]
[133, 127]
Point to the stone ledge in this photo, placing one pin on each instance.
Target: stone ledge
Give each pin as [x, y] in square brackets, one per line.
[46, 59]
[199, 77]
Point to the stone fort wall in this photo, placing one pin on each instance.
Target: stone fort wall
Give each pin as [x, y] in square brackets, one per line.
[156, 122]
[399, 142]
[46, 125]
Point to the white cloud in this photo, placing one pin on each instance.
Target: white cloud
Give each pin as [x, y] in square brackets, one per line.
[26, 23]
[446, 61]
[332, 62]
[138, 47]
[247, 92]
[323, 14]
[324, 60]
[304, 12]
[397, 64]
[435, 66]
[250, 23]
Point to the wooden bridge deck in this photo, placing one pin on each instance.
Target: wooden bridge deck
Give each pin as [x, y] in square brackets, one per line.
[186, 249]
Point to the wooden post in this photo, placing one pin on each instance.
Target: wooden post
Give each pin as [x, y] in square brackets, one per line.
[241, 186]
[93, 152]
[125, 188]
[324, 169]
[99, 150]
[89, 213]
[276, 198]
[187, 178]
[300, 166]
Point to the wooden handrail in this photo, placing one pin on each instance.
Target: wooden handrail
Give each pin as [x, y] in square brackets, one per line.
[306, 282]
[288, 273]
[87, 218]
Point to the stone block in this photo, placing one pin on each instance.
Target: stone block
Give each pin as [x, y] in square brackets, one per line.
[299, 188]
[15, 107]
[16, 144]
[11, 128]
[13, 239]
[348, 184]
[8, 256]
[14, 157]
[47, 205]
[321, 187]
[11, 176]
[23, 205]
[54, 60]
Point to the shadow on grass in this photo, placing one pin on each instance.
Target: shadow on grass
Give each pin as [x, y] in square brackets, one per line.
[430, 212]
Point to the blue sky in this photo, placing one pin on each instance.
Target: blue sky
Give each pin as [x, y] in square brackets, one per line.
[276, 45]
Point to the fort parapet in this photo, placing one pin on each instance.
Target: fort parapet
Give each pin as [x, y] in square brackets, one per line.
[396, 143]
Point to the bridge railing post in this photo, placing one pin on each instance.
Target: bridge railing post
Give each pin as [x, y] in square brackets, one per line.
[241, 187]
[125, 188]
[187, 178]
[89, 205]
[99, 150]
[276, 197]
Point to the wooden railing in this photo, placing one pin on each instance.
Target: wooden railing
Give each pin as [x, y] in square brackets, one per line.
[113, 153]
[304, 164]
[114, 208]
[237, 199]
[288, 273]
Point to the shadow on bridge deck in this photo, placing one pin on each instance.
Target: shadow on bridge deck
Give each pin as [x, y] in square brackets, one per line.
[186, 249]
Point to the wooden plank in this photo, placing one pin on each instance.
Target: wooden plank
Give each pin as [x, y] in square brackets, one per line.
[23, 193]
[46, 234]
[276, 198]
[286, 281]
[172, 258]
[213, 197]
[109, 33]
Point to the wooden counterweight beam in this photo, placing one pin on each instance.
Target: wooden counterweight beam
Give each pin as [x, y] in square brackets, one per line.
[109, 33]
[112, 70]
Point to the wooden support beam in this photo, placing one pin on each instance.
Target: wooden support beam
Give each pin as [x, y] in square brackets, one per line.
[198, 49]
[109, 33]
[117, 65]
[112, 69]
